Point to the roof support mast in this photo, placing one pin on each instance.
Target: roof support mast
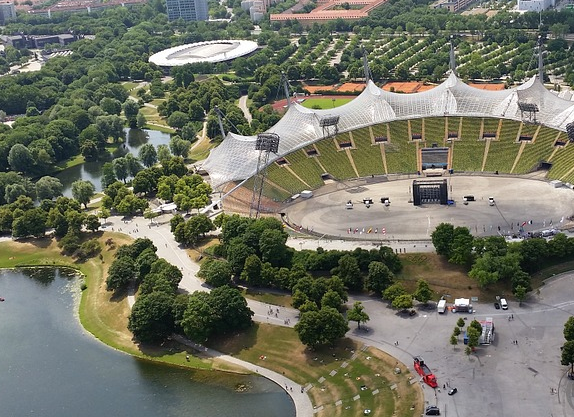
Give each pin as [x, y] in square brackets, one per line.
[220, 120]
[366, 68]
[452, 58]
[540, 60]
[285, 82]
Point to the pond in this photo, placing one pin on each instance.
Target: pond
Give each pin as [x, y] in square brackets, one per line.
[92, 170]
[50, 367]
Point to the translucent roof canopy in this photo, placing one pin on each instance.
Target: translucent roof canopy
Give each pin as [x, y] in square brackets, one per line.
[236, 158]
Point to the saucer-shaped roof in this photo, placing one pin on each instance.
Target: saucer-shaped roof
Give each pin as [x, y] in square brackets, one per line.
[236, 158]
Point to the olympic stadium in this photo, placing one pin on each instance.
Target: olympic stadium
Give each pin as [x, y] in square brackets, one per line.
[209, 51]
[504, 144]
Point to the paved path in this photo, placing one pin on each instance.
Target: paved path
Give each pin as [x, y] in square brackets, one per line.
[169, 249]
[244, 108]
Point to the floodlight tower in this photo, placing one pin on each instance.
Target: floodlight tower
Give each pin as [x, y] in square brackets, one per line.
[265, 144]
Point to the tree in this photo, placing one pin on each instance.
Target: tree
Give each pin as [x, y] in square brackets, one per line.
[357, 313]
[152, 319]
[216, 273]
[460, 323]
[331, 299]
[92, 222]
[148, 155]
[379, 277]
[199, 319]
[567, 357]
[20, 159]
[394, 291]
[272, 247]
[83, 191]
[442, 238]
[423, 292]
[48, 188]
[520, 293]
[475, 324]
[461, 246]
[179, 146]
[31, 223]
[569, 329]
[141, 120]
[453, 340]
[456, 331]
[403, 302]
[323, 327]
[473, 335]
[177, 120]
[104, 213]
[131, 110]
[121, 168]
[348, 270]
[252, 271]
[121, 273]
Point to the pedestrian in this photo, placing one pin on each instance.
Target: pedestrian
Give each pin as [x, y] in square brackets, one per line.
[512, 315]
[397, 342]
[301, 390]
[443, 386]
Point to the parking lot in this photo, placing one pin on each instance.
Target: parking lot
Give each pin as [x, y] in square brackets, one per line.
[501, 379]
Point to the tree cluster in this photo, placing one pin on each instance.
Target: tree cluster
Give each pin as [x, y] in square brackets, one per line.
[492, 259]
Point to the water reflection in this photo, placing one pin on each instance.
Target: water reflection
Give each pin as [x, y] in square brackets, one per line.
[50, 367]
[92, 170]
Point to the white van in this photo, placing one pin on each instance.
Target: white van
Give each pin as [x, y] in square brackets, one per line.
[441, 306]
[503, 304]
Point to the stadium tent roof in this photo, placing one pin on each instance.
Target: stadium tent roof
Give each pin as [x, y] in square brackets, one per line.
[236, 158]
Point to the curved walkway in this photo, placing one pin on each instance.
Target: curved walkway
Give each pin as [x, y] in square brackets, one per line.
[167, 248]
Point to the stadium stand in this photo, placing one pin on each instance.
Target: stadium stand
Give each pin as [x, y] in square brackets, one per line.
[400, 152]
[535, 152]
[468, 151]
[434, 130]
[367, 157]
[501, 155]
[562, 161]
[306, 167]
[281, 176]
[335, 161]
[416, 130]
[489, 128]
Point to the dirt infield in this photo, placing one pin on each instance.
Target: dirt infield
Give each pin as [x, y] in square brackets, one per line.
[518, 201]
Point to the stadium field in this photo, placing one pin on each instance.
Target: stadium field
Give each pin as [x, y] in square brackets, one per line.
[325, 103]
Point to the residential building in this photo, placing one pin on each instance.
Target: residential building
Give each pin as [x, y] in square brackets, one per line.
[7, 12]
[188, 10]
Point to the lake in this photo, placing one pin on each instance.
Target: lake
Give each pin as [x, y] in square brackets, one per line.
[92, 170]
[51, 367]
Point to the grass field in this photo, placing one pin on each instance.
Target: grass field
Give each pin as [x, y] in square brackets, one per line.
[324, 103]
[345, 367]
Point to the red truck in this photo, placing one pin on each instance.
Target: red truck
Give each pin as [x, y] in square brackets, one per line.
[424, 371]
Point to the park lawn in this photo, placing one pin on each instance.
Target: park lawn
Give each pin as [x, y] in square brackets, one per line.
[76, 160]
[128, 85]
[279, 349]
[275, 299]
[325, 103]
[201, 150]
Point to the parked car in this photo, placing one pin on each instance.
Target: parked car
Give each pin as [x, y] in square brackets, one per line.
[496, 305]
[452, 391]
[432, 410]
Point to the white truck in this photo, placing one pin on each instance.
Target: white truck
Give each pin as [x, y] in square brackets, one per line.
[441, 306]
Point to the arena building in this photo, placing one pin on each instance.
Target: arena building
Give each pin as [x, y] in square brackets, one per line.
[209, 51]
[529, 107]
